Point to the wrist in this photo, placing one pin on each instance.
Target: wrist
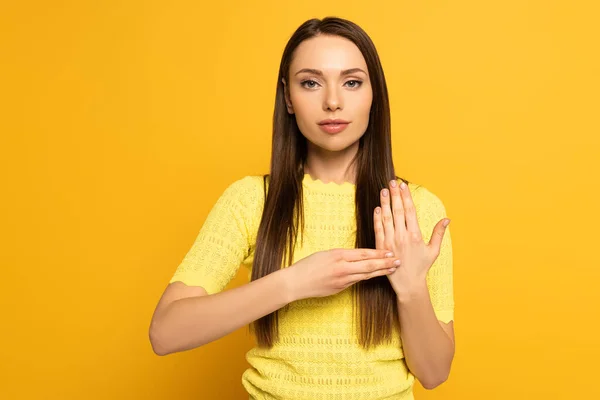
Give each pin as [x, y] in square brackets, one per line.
[416, 291]
[287, 284]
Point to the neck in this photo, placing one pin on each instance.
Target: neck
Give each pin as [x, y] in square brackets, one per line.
[330, 166]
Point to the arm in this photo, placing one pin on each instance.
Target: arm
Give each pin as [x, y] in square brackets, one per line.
[186, 317]
[428, 349]
[192, 310]
[423, 283]
[426, 310]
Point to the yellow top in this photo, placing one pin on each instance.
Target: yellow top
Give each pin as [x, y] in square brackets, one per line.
[318, 355]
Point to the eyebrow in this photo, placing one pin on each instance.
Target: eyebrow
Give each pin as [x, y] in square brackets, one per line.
[320, 73]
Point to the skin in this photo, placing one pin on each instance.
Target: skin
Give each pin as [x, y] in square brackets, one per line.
[332, 95]
[428, 343]
[312, 98]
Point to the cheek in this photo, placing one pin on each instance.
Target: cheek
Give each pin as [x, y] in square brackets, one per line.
[365, 104]
[362, 113]
[306, 111]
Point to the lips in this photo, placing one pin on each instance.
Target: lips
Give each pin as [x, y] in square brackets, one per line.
[331, 121]
[333, 127]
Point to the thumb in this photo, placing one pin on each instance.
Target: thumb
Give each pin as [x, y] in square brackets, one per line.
[438, 234]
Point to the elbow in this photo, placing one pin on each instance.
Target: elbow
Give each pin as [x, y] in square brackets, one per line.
[433, 382]
[158, 350]
[157, 342]
[430, 385]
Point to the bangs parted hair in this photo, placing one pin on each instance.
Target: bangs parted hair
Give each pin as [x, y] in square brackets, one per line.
[375, 304]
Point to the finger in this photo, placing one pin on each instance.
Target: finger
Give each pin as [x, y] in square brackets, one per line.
[361, 277]
[410, 213]
[371, 266]
[364, 254]
[435, 243]
[397, 210]
[378, 226]
[387, 218]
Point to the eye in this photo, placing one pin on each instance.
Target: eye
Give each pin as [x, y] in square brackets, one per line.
[303, 83]
[310, 84]
[357, 83]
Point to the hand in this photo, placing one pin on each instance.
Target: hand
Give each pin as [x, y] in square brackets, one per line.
[397, 230]
[330, 271]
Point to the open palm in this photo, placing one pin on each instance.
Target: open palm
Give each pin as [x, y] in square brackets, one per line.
[397, 229]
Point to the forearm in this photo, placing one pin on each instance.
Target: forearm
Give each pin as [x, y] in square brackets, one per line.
[428, 350]
[194, 321]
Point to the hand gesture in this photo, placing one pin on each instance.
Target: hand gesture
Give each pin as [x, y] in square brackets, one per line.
[397, 230]
[330, 271]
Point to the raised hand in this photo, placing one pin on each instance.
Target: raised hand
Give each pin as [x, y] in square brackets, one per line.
[397, 230]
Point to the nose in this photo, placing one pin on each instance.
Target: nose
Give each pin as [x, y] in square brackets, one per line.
[333, 100]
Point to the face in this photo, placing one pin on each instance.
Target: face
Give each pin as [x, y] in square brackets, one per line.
[338, 87]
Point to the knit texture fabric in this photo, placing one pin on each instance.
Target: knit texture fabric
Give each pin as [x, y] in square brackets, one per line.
[318, 356]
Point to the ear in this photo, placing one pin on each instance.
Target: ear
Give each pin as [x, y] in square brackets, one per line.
[288, 102]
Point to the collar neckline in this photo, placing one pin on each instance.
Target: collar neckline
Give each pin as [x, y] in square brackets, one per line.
[312, 183]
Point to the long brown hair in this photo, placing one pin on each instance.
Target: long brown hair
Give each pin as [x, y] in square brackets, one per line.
[283, 210]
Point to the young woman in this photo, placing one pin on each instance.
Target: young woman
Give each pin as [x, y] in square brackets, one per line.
[350, 293]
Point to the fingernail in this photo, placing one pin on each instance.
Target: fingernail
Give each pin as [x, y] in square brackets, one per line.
[393, 183]
[402, 185]
[385, 192]
[389, 255]
[392, 269]
[397, 263]
[446, 223]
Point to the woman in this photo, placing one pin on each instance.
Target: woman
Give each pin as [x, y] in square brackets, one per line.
[350, 292]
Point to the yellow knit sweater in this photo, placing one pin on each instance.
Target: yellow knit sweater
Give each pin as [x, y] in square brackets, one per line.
[318, 355]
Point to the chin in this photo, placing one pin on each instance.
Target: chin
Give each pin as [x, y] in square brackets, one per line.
[334, 144]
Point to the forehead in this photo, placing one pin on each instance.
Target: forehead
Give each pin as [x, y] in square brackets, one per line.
[327, 53]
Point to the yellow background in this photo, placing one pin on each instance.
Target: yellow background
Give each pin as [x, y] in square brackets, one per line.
[122, 122]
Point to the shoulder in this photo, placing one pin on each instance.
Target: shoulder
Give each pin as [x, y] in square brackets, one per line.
[248, 184]
[247, 191]
[245, 198]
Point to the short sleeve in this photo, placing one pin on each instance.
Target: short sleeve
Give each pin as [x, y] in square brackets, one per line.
[225, 239]
[430, 210]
